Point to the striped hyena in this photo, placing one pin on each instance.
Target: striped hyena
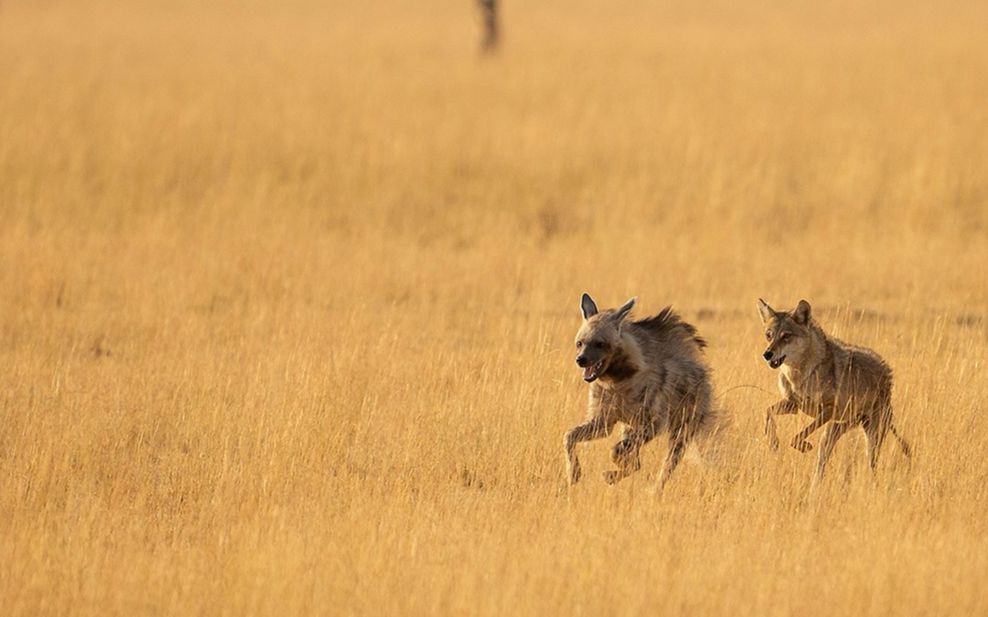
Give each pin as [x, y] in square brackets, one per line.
[649, 375]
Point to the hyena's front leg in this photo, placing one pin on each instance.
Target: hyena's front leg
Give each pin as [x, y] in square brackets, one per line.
[595, 428]
[625, 453]
[785, 407]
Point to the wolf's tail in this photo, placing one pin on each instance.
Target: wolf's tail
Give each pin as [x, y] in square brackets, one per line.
[906, 448]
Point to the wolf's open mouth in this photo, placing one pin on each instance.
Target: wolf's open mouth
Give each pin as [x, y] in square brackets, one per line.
[592, 372]
[777, 362]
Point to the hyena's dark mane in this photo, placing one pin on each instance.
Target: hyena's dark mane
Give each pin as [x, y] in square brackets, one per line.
[669, 325]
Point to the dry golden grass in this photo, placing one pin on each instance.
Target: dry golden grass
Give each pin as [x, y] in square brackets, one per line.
[288, 293]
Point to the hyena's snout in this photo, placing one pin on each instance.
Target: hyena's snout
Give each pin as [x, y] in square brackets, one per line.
[767, 355]
[592, 367]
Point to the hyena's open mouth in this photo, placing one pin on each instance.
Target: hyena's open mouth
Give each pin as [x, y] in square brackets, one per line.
[593, 371]
[776, 363]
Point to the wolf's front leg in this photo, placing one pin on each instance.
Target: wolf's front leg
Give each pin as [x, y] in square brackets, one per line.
[799, 441]
[595, 428]
[784, 407]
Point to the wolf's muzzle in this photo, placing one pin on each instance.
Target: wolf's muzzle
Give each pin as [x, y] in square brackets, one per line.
[774, 360]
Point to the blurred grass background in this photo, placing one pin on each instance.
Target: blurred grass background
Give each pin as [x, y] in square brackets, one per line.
[288, 294]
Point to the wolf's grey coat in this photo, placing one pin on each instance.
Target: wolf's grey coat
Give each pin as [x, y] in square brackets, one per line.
[830, 381]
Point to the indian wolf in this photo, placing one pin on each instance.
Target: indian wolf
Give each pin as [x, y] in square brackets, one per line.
[648, 375]
[828, 380]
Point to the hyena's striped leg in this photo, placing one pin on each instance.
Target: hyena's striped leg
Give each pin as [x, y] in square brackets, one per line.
[834, 432]
[786, 407]
[625, 453]
[595, 428]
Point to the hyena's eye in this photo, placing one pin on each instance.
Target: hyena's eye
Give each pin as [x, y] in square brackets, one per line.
[783, 336]
[598, 344]
[768, 335]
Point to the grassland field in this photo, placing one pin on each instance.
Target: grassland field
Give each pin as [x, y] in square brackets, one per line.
[288, 293]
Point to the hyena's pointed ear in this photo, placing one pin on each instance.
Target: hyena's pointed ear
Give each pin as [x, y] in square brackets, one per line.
[802, 313]
[622, 312]
[765, 311]
[587, 306]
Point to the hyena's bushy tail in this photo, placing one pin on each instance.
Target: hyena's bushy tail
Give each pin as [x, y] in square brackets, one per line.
[706, 443]
[907, 450]
[715, 420]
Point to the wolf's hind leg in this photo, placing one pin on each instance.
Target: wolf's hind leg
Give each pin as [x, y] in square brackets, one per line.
[830, 437]
[907, 450]
[875, 429]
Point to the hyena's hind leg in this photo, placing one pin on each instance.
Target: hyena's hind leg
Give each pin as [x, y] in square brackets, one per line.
[677, 446]
[686, 423]
[626, 453]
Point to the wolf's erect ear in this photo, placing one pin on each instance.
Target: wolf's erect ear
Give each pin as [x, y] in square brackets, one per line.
[765, 311]
[622, 312]
[802, 313]
[587, 306]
